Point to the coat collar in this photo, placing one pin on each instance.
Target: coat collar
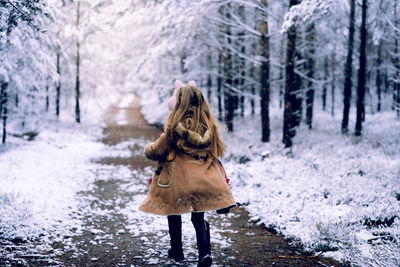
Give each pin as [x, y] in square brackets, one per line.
[193, 137]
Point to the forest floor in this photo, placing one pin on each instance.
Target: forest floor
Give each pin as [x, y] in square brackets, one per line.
[113, 232]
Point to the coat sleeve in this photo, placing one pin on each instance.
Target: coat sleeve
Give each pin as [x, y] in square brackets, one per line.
[157, 150]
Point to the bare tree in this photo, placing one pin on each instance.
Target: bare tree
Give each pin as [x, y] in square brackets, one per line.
[324, 88]
[310, 66]
[58, 86]
[219, 86]
[396, 64]
[348, 70]
[333, 74]
[3, 106]
[291, 115]
[47, 99]
[362, 70]
[265, 83]
[379, 77]
[252, 73]
[242, 15]
[281, 70]
[209, 78]
[229, 95]
[78, 62]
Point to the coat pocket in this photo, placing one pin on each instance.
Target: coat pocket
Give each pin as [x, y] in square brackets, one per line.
[166, 176]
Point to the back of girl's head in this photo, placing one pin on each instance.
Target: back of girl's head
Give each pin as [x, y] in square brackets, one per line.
[192, 107]
[189, 97]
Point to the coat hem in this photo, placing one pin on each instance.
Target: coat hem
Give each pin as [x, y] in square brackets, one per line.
[195, 211]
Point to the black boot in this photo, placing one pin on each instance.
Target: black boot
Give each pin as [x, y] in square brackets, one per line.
[207, 260]
[203, 238]
[175, 232]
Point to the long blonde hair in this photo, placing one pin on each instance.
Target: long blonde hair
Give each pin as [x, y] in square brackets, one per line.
[192, 107]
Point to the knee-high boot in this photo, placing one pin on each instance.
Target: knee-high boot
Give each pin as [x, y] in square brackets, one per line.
[203, 238]
[175, 232]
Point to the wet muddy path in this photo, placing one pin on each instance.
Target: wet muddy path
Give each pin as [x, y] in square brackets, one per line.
[113, 232]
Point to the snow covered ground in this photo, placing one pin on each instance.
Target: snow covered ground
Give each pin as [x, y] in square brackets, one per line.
[331, 193]
[39, 179]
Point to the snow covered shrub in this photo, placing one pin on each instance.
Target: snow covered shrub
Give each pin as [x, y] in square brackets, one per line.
[14, 213]
[384, 245]
[331, 236]
[337, 236]
[386, 254]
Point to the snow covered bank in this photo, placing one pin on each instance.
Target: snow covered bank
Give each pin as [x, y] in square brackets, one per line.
[331, 193]
[39, 179]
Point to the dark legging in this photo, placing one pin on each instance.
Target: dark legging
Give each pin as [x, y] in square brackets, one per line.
[175, 221]
[197, 217]
[202, 232]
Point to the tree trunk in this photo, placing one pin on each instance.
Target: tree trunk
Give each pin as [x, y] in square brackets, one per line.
[361, 72]
[242, 83]
[396, 63]
[58, 87]
[209, 87]
[221, 58]
[1, 100]
[292, 103]
[298, 83]
[265, 83]
[77, 84]
[386, 80]
[368, 75]
[348, 70]
[4, 113]
[252, 102]
[310, 75]
[324, 88]
[242, 60]
[379, 77]
[209, 78]
[254, 78]
[47, 98]
[219, 87]
[77, 87]
[16, 99]
[229, 96]
[253, 71]
[398, 98]
[333, 82]
[281, 70]
[236, 65]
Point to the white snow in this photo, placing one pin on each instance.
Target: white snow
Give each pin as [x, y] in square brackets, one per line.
[121, 118]
[323, 191]
[39, 180]
[126, 101]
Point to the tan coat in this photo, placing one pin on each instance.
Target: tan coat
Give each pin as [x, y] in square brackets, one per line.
[190, 182]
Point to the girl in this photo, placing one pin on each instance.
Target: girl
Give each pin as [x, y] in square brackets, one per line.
[189, 177]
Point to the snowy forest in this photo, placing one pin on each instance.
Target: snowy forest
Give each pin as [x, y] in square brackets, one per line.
[306, 93]
[248, 54]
